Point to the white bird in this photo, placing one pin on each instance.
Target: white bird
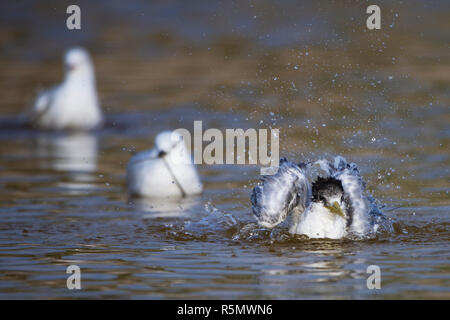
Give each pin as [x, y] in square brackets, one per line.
[164, 171]
[73, 104]
[334, 206]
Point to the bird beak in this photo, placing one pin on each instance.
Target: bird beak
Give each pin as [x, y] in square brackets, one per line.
[336, 209]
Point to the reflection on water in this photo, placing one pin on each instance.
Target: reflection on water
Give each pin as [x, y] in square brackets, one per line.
[168, 208]
[76, 152]
[310, 69]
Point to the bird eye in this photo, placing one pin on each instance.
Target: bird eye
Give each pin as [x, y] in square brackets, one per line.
[161, 154]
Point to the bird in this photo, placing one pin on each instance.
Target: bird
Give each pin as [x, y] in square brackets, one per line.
[166, 171]
[73, 104]
[335, 205]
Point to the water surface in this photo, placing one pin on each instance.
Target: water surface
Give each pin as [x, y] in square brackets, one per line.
[332, 87]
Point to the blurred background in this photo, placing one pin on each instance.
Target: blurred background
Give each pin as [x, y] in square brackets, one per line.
[309, 68]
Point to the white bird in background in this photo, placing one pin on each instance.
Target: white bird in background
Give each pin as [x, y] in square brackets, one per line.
[73, 104]
[165, 171]
[334, 206]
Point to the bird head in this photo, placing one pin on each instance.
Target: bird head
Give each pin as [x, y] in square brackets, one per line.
[77, 59]
[330, 193]
[171, 143]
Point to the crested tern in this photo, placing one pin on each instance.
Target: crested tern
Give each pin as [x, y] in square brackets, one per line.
[334, 205]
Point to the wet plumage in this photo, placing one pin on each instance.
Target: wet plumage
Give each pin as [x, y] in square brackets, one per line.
[323, 199]
[278, 195]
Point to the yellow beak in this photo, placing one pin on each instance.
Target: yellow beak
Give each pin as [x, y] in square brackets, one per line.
[336, 209]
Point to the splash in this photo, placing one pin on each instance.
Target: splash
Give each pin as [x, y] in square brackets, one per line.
[214, 224]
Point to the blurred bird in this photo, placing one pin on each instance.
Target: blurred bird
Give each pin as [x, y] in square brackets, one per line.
[334, 206]
[164, 171]
[73, 104]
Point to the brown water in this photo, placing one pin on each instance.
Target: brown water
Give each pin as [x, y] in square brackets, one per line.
[379, 98]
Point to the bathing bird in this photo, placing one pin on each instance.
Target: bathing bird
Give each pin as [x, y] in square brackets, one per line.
[73, 104]
[334, 206]
[164, 171]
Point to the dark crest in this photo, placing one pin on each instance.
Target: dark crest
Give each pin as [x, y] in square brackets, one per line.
[326, 187]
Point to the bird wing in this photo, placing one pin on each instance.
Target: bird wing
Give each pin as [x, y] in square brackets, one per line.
[355, 190]
[275, 196]
[42, 104]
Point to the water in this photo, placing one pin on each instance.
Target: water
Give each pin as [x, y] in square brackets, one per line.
[331, 87]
